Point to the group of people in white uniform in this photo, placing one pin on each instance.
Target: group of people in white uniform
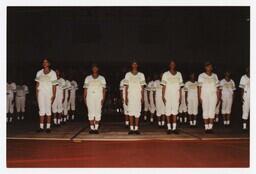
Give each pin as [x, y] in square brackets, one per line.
[167, 97]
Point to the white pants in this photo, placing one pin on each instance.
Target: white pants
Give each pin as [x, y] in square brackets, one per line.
[72, 103]
[172, 104]
[125, 109]
[9, 104]
[57, 106]
[146, 105]
[192, 105]
[20, 103]
[217, 109]
[226, 104]
[183, 106]
[246, 106]
[134, 105]
[65, 106]
[94, 107]
[209, 101]
[152, 107]
[160, 108]
[44, 103]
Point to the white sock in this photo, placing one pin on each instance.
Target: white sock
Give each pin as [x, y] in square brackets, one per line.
[185, 119]
[55, 120]
[174, 126]
[225, 122]
[59, 120]
[145, 117]
[159, 123]
[151, 119]
[64, 119]
[244, 125]
[92, 127]
[210, 126]
[131, 128]
[22, 117]
[217, 119]
[136, 128]
[41, 125]
[48, 125]
[206, 126]
[163, 123]
[191, 122]
[68, 117]
[10, 119]
[96, 126]
[181, 119]
[228, 122]
[18, 117]
[169, 126]
[127, 123]
[194, 122]
[73, 117]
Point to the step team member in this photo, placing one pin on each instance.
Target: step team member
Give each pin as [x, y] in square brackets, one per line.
[67, 89]
[209, 95]
[122, 94]
[160, 107]
[245, 93]
[57, 106]
[20, 99]
[46, 81]
[183, 107]
[152, 102]
[94, 96]
[191, 95]
[146, 99]
[134, 82]
[227, 87]
[72, 101]
[172, 82]
[10, 92]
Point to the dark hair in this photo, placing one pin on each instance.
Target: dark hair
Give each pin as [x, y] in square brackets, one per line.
[207, 64]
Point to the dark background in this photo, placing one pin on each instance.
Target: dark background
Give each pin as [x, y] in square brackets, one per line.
[75, 37]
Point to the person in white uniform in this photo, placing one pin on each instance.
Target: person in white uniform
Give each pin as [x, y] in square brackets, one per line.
[94, 97]
[172, 82]
[57, 106]
[10, 92]
[122, 94]
[72, 101]
[245, 93]
[20, 99]
[152, 102]
[191, 93]
[134, 82]
[146, 100]
[183, 107]
[67, 88]
[46, 81]
[209, 95]
[160, 107]
[227, 87]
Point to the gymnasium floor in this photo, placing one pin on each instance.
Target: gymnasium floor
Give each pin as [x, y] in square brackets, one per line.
[72, 146]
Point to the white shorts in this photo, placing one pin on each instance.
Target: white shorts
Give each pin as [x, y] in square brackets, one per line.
[72, 103]
[226, 104]
[20, 103]
[193, 106]
[183, 107]
[57, 106]
[94, 107]
[160, 107]
[65, 106]
[172, 104]
[209, 102]
[217, 109]
[9, 104]
[44, 103]
[146, 105]
[246, 107]
[152, 107]
[125, 109]
[134, 105]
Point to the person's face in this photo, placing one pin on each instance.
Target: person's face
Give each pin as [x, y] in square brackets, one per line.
[58, 73]
[134, 66]
[227, 75]
[46, 63]
[192, 77]
[172, 65]
[95, 70]
[208, 68]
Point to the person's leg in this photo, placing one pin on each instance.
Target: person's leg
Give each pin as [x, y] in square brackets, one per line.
[41, 123]
[168, 120]
[23, 102]
[136, 127]
[158, 120]
[190, 119]
[18, 107]
[163, 120]
[42, 111]
[131, 120]
[245, 116]
[174, 124]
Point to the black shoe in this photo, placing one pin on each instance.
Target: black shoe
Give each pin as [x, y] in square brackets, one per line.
[130, 132]
[137, 132]
[175, 131]
[48, 131]
[91, 131]
[96, 132]
[39, 130]
[169, 131]
[245, 130]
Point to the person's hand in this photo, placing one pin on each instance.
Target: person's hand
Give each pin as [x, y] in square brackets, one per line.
[126, 100]
[164, 100]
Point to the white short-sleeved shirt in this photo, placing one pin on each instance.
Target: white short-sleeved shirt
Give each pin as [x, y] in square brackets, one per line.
[94, 85]
[172, 82]
[122, 88]
[227, 87]
[208, 84]
[134, 82]
[46, 81]
[11, 89]
[74, 87]
[191, 88]
[245, 83]
[60, 86]
[158, 88]
[21, 90]
[67, 87]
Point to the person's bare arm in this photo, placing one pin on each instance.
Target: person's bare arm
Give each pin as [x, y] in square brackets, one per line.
[64, 95]
[37, 85]
[142, 94]
[163, 93]
[154, 97]
[85, 95]
[53, 92]
[126, 94]
[199, 94]
[242, 94]
[186, 97]
[104, 95]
